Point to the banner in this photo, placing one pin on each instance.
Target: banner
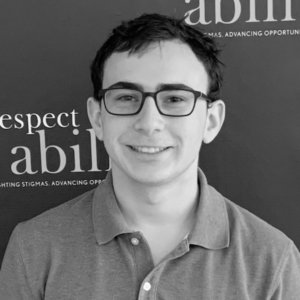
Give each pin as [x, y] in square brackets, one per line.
[49, 153]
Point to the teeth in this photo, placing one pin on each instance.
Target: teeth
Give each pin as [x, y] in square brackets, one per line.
[144, 149]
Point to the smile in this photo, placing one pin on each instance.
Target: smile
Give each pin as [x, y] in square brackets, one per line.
[148, 150]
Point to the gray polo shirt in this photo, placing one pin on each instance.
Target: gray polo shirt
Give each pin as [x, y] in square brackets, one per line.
[84, 250]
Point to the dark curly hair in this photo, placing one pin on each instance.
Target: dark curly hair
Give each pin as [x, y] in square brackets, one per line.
[137, 34]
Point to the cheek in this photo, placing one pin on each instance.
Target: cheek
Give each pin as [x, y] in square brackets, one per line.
[111, 145]
[110, 135]
[192, 131]
[113, 130]
[189, 139]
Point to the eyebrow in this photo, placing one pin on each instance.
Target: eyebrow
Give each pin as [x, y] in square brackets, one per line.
[161, 86]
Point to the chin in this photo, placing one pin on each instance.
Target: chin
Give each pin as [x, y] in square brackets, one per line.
[152, 177]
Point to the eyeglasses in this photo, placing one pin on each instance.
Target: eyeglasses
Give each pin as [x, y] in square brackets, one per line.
[169, 102]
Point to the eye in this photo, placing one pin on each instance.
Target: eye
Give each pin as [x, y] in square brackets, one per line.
[126, 98]
[175, 99]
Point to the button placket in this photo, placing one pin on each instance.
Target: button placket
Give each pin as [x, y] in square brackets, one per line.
[147, 289]
[142, 259]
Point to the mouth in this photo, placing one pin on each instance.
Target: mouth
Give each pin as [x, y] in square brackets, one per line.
[148, 150]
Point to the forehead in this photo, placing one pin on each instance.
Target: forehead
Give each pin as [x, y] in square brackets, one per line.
[163, 62]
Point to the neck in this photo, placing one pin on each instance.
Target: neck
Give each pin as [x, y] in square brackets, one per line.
[157, 205]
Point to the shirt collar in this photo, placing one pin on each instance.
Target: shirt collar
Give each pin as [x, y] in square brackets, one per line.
[211, 228]
[108, 219]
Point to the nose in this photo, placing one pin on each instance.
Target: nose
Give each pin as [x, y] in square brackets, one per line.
[149, 120]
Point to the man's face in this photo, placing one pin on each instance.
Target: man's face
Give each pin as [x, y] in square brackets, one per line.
[149, 147]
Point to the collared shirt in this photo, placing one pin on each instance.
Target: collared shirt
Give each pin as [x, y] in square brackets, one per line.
[83, 249]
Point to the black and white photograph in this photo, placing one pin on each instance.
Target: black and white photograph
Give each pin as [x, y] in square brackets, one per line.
[150, 150]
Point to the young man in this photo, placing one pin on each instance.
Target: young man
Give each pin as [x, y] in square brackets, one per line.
[154, 229]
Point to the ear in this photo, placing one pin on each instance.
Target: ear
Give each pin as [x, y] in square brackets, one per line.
[94, 114]
[214, 120]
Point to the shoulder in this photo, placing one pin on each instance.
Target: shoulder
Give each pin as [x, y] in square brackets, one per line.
[251, 238]
[40, 246]
[62, 222]
[260, 247]
[261, 251]
[245, 226]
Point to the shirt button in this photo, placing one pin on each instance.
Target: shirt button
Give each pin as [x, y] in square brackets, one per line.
[147, 286]
[135, 241]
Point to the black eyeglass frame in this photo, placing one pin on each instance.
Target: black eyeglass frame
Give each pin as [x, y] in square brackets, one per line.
[197, 95]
